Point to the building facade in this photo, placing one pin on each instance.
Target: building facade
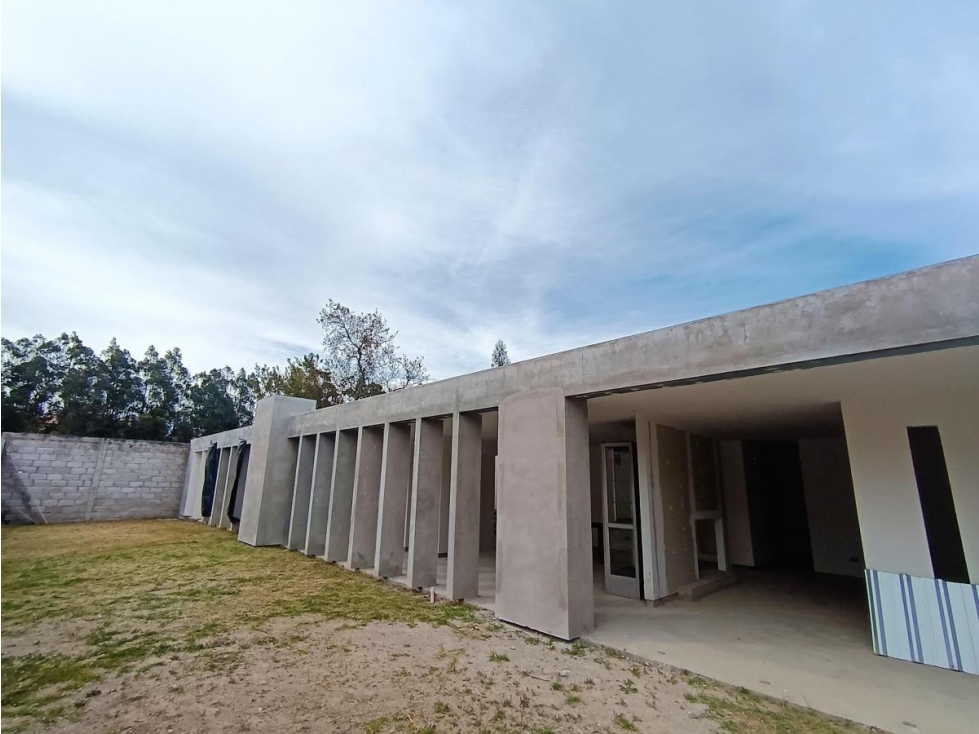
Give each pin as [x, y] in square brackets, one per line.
[835, 435]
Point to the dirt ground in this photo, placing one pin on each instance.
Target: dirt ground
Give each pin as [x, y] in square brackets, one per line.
[171, 626]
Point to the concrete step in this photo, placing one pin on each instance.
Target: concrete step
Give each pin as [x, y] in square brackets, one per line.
[707, 585]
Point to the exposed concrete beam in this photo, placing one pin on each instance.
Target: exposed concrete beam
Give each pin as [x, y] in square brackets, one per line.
[915, 310]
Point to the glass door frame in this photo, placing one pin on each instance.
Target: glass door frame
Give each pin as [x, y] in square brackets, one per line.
[617, 585]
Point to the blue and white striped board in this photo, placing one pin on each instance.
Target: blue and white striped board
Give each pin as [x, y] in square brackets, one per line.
[923, 620]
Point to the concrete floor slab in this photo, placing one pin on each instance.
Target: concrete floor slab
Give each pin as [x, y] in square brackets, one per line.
[804, 639]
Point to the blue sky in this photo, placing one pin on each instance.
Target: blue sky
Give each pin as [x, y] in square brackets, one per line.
[207, 174]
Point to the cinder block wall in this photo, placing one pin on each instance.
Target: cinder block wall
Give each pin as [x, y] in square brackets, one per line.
[69, 479]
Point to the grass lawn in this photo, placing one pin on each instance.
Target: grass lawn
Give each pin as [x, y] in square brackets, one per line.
[171, 625]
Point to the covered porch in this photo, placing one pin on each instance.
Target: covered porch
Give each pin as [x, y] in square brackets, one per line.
[802, 639]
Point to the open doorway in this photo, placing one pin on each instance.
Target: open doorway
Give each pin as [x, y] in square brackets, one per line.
[776, 494]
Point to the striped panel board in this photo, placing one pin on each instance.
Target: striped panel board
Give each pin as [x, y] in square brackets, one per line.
[923, 620]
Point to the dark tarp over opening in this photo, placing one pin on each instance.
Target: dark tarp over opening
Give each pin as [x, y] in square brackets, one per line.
[210, 480]
[234, 506]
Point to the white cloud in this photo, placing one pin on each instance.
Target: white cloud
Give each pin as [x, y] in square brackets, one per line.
[206, 175]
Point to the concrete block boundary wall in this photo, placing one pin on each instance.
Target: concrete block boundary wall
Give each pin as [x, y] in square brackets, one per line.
[56, 479]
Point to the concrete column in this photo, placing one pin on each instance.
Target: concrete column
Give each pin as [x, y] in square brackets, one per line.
[219, 488]
[395, 476]
[462, 580]
[319, 498]
[223, 520]
[267, 504]
[300, 493]
[426, 481]
[543, 551]
[367, 486]
[190, 478]
[341, 496]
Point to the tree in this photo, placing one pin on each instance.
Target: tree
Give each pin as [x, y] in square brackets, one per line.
[243, 395]
[500, 357]
[120, 389]
[166, 383]
[31, 382]
[81, 399]
[361, 355]
[305, 377]
[212, 408]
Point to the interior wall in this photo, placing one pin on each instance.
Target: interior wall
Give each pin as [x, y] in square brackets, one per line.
[891, 525]
[737, 516]
[674, 487]
[833, 526]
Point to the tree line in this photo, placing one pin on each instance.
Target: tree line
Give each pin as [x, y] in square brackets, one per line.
[62, 386]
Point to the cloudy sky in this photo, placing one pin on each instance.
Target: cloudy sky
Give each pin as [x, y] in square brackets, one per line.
[207, 174]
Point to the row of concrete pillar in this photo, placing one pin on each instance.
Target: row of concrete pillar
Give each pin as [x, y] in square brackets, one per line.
[352, 487]
[362, 496]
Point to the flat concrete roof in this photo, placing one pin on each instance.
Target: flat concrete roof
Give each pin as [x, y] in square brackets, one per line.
[928, 308]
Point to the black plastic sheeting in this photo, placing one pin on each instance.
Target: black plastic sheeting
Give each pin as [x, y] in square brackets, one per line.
[210, 480]
[234, 507]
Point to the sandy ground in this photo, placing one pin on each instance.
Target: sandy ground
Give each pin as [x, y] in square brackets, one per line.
[305, 676]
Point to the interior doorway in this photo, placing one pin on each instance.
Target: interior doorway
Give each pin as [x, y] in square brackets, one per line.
[620, 512]
[777, 501]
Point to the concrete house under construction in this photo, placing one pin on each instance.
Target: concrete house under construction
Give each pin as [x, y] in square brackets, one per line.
[833, 436]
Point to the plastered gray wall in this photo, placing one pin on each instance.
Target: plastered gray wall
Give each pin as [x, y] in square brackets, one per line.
[71, 479]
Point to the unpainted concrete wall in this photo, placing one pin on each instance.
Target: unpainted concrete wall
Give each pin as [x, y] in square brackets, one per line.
[72, 479]
[543, 560]
[737, 515]
[674, 474]
[833, 526]
[891, 524]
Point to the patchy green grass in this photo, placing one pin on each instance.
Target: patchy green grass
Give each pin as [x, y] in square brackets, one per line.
[441, 708]
[376, 726]
[742, 712]
[165, 588]
[624, 723]
[628, 687]
[498, 657]
[173, 570]
[33, 683]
